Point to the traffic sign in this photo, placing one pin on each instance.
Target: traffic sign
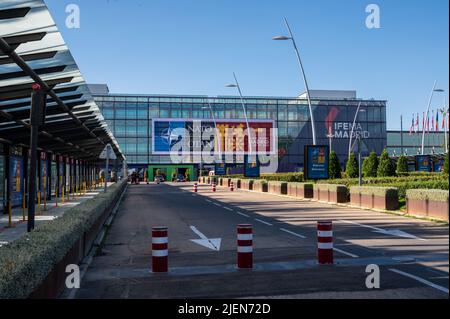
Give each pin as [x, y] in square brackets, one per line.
[111, 154]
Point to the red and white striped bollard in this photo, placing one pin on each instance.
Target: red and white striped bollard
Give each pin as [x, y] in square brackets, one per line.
[231, 186]
[245, 246]
[195, 187]
[213, 187]
[325, 242]
[160, 249]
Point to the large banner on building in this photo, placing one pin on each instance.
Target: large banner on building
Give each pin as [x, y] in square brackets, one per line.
[219, 137]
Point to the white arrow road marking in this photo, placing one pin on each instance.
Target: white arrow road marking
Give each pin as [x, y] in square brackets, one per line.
[211, 243]
[391, 232]
[426, 282]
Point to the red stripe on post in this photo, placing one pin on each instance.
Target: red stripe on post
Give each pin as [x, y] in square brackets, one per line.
[160, 249]
[325, 242]
[245, 246]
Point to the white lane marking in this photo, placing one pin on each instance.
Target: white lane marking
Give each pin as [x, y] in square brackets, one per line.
[426, 282]
[292, 233]
[208, 201]
[211, 243]
[242, 214]
[345, 252]
[390, 232]
[264, 222]
[217, 204]
[228, 208]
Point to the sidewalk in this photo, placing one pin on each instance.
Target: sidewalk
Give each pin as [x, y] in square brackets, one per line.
[19, 225]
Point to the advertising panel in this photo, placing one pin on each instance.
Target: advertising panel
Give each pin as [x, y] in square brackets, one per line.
[316, 161]
[220, 169]
[251, 167]
[200, 135]
[16, 172]
[423, 163]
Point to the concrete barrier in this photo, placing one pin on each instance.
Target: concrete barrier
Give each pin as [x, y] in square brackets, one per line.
[300, 190]
[236, 182]
[260, 185]
[247, 184]
[331, 193]
[385, 198]
[277, 187]
[428, 203]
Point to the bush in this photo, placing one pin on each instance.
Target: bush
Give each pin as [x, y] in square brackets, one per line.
[402, 165]
[26, 262]
[376, 191]
[352, 169]
[430, 194]
[385, 168]
[370, 165]
[335, 170]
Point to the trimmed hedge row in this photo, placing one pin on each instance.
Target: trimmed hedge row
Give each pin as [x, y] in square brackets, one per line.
[428, 194]
[376, 191]
[330, 187]
[282, 177]
[26, 262]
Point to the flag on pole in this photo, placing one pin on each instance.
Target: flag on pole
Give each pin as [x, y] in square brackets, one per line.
[443, 120]
[437, 121]
[432, 120]
[412, 126]
[423, 121]
[417, 123]
[428, 122]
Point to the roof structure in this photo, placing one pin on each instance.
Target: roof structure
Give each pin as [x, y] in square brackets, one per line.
[32, 50]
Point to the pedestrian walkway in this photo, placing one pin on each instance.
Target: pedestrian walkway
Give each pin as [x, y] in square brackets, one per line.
[48, 211]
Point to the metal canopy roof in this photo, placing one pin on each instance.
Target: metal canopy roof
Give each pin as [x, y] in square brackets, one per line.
[32, 50]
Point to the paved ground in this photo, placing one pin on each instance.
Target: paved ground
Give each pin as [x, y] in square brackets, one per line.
[413, 263]
[46, 213]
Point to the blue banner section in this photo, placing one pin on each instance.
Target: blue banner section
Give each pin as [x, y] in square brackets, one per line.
[16, 173]
[316, 162]
[220, 169]
[165, 135]
[423, 163]
[251, 167]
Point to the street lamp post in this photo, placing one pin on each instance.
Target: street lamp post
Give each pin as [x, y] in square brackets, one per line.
[428, 113]
[444, 112]
[291, 37]
[236, 85]
[351, 132]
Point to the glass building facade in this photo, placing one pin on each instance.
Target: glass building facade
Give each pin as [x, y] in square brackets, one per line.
[130, 119]
[411, 144]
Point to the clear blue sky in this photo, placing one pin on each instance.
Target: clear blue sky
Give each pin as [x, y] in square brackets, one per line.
[193, 46]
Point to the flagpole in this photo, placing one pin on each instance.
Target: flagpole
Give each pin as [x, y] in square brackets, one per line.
[401, 134]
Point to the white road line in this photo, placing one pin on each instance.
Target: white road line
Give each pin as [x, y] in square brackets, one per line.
[242, 214]
[426, 282]
[228, 208]
[217, 204]
[261, 221]
[292, 233]
[208, 201]
[345, 252]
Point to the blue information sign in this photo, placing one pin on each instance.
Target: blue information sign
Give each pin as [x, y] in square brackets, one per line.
[220, 169]
[317, 160]
[251, 167]
[423, 163]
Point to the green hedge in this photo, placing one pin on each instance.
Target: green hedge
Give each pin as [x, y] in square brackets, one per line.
[26, 262]
[376, 191]
[430, 194]
[331, 187]
[283, 177]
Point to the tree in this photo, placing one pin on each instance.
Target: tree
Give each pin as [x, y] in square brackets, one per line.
[352, 169]
[446, 164]
[370, 165]
[334, 167]
[385, 168]
[402, 165]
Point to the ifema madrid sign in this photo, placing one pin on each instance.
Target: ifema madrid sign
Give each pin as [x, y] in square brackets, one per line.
[210, 142]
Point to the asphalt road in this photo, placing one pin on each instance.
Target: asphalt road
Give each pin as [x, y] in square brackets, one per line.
[412, 255]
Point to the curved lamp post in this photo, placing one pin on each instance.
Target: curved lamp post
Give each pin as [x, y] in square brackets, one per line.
[351, 133]
[236, 85]
[291, 37]
[428, 113]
